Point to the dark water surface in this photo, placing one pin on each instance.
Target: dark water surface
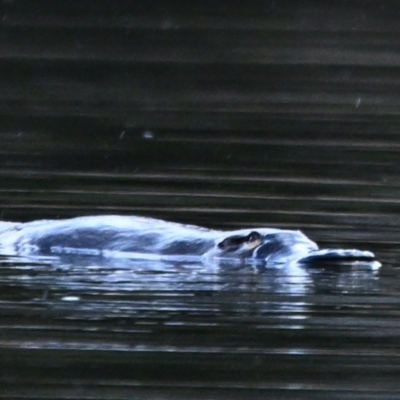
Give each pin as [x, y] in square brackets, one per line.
[91, 327]
[278, 114]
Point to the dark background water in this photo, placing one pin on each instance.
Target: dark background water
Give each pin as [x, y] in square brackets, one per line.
[225, 114]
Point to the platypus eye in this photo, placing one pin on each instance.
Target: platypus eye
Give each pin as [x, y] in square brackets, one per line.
[253, 236]
[222, 245]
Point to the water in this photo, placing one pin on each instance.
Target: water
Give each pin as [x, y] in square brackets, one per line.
[74, 326]
[89, 327]
[276, 114]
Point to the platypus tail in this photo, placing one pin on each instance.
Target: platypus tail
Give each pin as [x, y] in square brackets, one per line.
[338, 256]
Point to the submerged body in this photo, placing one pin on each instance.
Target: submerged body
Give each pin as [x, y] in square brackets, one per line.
[140, 237]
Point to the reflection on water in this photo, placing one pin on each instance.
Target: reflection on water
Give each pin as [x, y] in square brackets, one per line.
[164, 309]
[74, 275]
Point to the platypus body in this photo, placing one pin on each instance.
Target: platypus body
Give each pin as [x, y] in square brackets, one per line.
[140, 237]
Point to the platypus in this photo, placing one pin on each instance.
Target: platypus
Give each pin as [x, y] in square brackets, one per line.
[141, 237]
